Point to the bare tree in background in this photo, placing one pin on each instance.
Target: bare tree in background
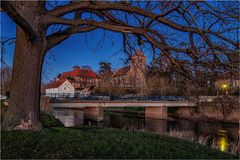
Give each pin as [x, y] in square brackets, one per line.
[204, 33]
[6, 70]
[105, 72]
[5, 74]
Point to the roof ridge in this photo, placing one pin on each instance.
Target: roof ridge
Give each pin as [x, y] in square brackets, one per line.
[121, 71]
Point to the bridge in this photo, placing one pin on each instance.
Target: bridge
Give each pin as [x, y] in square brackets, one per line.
[153, 109]
[109, 103]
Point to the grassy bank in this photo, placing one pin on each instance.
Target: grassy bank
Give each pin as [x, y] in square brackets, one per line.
[221, 109]
[95, 142]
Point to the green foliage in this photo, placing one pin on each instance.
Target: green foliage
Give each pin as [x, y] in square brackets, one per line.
[105, 67]
[95, 143]
[3, 110]
[49, 121]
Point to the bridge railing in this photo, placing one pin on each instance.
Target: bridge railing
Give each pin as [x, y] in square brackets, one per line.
[77, 96]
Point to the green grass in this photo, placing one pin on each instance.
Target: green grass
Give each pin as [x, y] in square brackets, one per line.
[49, 121]
[95, 142]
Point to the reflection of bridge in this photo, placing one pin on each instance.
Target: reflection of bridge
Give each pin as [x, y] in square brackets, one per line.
[153, 109]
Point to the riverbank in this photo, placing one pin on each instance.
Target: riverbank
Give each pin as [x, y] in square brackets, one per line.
[224, 109]
[97, 142]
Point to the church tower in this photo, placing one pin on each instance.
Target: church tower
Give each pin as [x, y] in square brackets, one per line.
[138, 70]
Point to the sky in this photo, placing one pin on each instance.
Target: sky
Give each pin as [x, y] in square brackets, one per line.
[99, 45]
[80, 49]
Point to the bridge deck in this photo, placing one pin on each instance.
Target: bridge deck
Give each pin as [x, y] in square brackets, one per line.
[92, 103]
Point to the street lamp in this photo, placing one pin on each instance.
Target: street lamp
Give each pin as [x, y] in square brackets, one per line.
[225, 87]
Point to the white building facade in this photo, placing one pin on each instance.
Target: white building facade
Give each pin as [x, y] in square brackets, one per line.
[64, 89]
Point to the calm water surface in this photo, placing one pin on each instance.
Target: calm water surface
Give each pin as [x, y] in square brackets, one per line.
[220, 136]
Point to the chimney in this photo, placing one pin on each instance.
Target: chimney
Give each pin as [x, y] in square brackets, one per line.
[76, 67]
[58, 76]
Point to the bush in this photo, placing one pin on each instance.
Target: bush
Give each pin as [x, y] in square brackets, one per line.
[49, 121]
[3, 110]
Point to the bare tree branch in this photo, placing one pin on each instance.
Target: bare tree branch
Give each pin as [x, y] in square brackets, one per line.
[17, 17]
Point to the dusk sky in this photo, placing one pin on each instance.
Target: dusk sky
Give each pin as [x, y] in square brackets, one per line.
[74, 51]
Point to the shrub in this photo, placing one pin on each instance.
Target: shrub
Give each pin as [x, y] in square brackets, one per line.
[49, 121]
[3, 110]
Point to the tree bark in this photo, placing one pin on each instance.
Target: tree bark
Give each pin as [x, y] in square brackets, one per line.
[23, 112]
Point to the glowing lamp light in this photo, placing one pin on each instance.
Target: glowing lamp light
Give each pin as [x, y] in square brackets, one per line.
[223, 144]
[224, 86]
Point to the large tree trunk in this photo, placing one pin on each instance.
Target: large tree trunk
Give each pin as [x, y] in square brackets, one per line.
[23, 112]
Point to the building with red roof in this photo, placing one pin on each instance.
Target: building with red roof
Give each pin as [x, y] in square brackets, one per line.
[75, 81]
[71, 82]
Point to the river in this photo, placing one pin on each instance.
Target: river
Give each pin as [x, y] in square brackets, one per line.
[221, 136]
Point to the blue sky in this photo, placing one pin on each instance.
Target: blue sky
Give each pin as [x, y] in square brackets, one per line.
[80, 49]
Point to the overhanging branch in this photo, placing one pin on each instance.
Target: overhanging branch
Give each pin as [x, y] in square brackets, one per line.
[17, 18]
[56, 38]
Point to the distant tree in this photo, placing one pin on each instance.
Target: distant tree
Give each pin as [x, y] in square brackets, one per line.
[105, 72]
[190, 30]
[105, 68]
[4, 42]
[5, 74]
[59, 75]
[86, 67]
[159, 77]
[6, 71]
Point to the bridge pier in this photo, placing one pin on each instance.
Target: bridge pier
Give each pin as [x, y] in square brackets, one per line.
[156, 112]
[93, 113]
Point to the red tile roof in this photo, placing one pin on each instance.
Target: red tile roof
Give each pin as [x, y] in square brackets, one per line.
[122, 71]
[59, 82]
[56, 83]
[77, 72]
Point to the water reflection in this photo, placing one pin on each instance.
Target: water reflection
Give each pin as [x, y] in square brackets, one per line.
[217, 135]
[70, 117]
